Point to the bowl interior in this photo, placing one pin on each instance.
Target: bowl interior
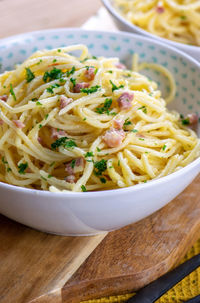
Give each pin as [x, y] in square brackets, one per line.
[186, 71]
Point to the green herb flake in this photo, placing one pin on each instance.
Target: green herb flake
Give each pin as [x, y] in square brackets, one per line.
[54, 74]
[100, 167]
[143, 108]
[134, 130]
[110, 71]
[52, 164]
[105, 108]
[141, 139]
[185, 121]
[4, 161]
[98, 149]
[59, 50]
[12, 92]
[94, 57]
[39, 62]
[29, 75]
[164, 147]
[90, 90]
[89, 154]
[127, 122]
[71, 72]
[73, 81]
[70, 144]
[34, 99]
[115, 87]
[103, 180]
[9, 169]
[83, 188]
[51, 88]
[54, 60]
[145, 181]
[40, 125]
[183, 17]
[22, 167]
[84, 119]
[50, 176]
[73, 163]
[118, 163]
[38, 103]
[59, 142]
[46, 116]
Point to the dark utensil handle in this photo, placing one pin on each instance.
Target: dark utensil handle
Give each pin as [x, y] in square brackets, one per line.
[157, 288]
[194, 300]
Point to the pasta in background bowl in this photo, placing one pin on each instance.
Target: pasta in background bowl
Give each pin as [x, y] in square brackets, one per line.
[91, 212]
[146, 22]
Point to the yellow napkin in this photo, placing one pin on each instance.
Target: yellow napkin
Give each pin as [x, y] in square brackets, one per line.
[188, 288]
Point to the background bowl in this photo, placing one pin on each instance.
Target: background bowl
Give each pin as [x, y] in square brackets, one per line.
[125, 25]
[95, 212]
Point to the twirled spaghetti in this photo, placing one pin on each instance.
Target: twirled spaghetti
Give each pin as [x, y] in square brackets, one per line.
[177, 20]
[86, 123]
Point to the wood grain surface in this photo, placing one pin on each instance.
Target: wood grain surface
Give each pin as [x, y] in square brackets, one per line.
[19, 16]
[39, 268]
[34, 266]
[132, 257]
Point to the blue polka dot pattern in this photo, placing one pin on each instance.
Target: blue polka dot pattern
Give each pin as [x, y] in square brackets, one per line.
[120, 45]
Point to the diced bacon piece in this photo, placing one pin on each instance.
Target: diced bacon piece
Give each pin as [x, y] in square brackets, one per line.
[114, 137]
[1, 122]
[19, 124]
[56, 134]
[70, 179]
[160, 9]
[64, 101]
[39, 140]
[120, 65]
[118, 123]
[124, 101]
[79, 162]
[193, 118]
[90, 73]
[79, 86]
[4, 98]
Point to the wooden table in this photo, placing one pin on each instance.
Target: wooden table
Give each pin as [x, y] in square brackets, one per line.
[18, 16]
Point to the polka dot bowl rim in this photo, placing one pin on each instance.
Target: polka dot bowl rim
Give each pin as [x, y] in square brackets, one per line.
[85, 206]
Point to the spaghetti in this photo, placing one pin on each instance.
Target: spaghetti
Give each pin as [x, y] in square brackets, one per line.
[86, 123]
[177, 20]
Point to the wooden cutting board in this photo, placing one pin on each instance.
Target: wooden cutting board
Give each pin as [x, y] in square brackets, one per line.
[38, 268]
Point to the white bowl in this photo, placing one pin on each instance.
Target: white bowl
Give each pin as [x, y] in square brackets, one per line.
[125, 25]
[94, 212]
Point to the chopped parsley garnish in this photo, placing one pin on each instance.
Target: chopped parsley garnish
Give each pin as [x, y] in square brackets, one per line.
[98, 149]
[39, 62]
[73, 81]
[141, 139]
[100, 167]
[145, 181]
[29, 75]
[185, 121]
[70, 144]
[118, 163]
[94, 57]
[4, 161]
[9, 169]
[22, 167]
[110, 71]
[183, 17]
[127, 122]
[134, 130]
[143, 108]
[50, 176]
[73, 163]
[51, 88]
[40, 125]
[59, 142]
[55, 73]
[43, 178]
[105, 108]
[38, 103]
[164, 147]
[34, 99]
[12, 92]
[71, 72]
[59, 50]
[89, 154]
[83, 188]
[84, 119]
[46, 116]
[103, 180]
[115, 87]
[63, 142]
[52, 164]
[90, 90]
